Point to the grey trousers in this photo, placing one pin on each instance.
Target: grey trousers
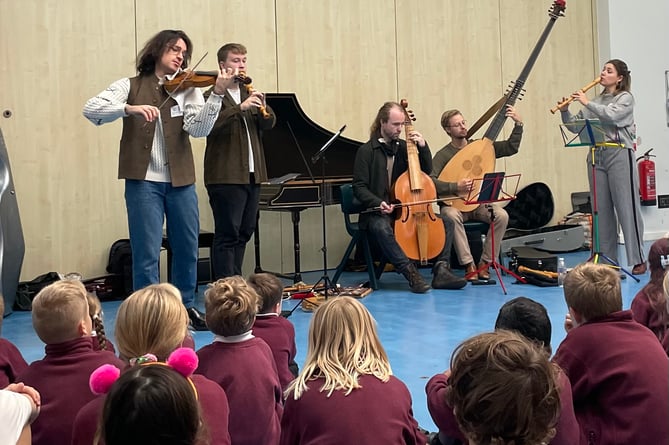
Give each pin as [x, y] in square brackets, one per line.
[617, 186]
[481, 213]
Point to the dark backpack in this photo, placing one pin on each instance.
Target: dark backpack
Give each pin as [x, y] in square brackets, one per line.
[120, 264]
[27, 290]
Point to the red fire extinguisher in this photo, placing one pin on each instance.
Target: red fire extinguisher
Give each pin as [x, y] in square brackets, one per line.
[647, 179]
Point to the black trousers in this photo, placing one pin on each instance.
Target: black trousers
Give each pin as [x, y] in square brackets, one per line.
[235, 209]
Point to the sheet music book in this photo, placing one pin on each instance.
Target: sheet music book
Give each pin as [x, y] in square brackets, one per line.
[491, 186]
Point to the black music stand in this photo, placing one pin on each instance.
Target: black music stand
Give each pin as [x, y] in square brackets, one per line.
[320, 155]
[589, 132]
[327, 284]
[491, 191]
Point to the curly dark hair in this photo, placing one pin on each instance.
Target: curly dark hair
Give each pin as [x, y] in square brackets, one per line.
[153, 50]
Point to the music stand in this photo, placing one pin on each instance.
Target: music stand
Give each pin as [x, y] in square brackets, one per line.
[590, 133]
[492, 191]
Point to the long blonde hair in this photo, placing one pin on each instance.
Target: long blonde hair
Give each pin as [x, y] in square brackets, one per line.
[343, 345]
[151, 320]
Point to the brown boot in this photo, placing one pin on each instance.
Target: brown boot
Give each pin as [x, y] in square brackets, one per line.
[484, 274]
[416, 282]
[443, 278]
[470, 272]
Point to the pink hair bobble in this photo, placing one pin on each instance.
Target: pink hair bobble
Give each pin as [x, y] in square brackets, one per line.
[184, 361]
[103, 378]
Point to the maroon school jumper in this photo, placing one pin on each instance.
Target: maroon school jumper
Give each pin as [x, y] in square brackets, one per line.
[279, 334]
[618, 372]
[12, 363]
[213, 403]
[247, 373]
[566, 430]
[377, 413]
[645, 314]
[61, 378]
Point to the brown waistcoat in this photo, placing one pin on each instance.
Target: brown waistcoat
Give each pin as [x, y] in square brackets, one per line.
[137, 136]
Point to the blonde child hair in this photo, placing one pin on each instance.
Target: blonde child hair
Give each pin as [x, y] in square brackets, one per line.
[489, 373]
[593, 291]
[60, 312]
[151, 320]
[231, 306]
[343, 345]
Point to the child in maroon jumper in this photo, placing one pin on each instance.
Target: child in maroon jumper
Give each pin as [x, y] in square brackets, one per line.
[100, 340]
[154, 321]
[12, 362]
[61, 320]
[530, 319]
[503, 390]
[649, 306]
[617, 368]
[241, 363]
[346, 393]
[278, 332]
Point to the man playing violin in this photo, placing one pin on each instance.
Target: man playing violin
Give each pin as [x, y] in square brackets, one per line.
[378, 164]
[156, 159]
[234, 165]
[454, 124]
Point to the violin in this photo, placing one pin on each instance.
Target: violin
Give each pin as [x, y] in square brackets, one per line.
[190, 79]
[245, 80]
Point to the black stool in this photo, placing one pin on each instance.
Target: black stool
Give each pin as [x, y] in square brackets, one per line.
[205, 240]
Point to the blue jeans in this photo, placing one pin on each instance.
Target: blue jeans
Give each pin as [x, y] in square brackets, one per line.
[149, 204]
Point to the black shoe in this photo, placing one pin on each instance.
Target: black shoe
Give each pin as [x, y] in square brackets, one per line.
[416, 282]
[197, 321]
[443, 278]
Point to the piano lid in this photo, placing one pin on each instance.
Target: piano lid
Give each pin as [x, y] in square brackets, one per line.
[281, 147]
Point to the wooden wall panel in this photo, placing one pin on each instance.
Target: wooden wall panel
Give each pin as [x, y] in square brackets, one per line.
[339, 57]
[56, 55]
[448, 57]
[566, 63]
[343, 60]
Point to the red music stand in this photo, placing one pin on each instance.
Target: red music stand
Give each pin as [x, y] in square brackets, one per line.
[491, 191]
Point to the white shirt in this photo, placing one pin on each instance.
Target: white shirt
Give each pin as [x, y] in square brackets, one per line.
[15, 412]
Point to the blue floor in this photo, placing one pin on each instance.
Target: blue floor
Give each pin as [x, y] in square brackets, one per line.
[419, 332]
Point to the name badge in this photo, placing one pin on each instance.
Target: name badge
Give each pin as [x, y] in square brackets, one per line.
[176, 111]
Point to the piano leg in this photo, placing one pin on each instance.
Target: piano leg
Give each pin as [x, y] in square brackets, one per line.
[296, 240]
[296, 276]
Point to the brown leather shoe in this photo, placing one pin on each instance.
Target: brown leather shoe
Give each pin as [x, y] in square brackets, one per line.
[639, 269]
[484, 274]
[470, 272]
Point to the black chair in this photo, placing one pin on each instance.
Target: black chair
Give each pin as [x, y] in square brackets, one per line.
[351, 206]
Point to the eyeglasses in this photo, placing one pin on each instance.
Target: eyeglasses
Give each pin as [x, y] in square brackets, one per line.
[176, 49]
[459, 124]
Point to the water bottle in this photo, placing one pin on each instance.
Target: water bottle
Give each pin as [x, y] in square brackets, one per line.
[561, 271]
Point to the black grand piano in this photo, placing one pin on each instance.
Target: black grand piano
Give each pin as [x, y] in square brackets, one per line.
[296, 183]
